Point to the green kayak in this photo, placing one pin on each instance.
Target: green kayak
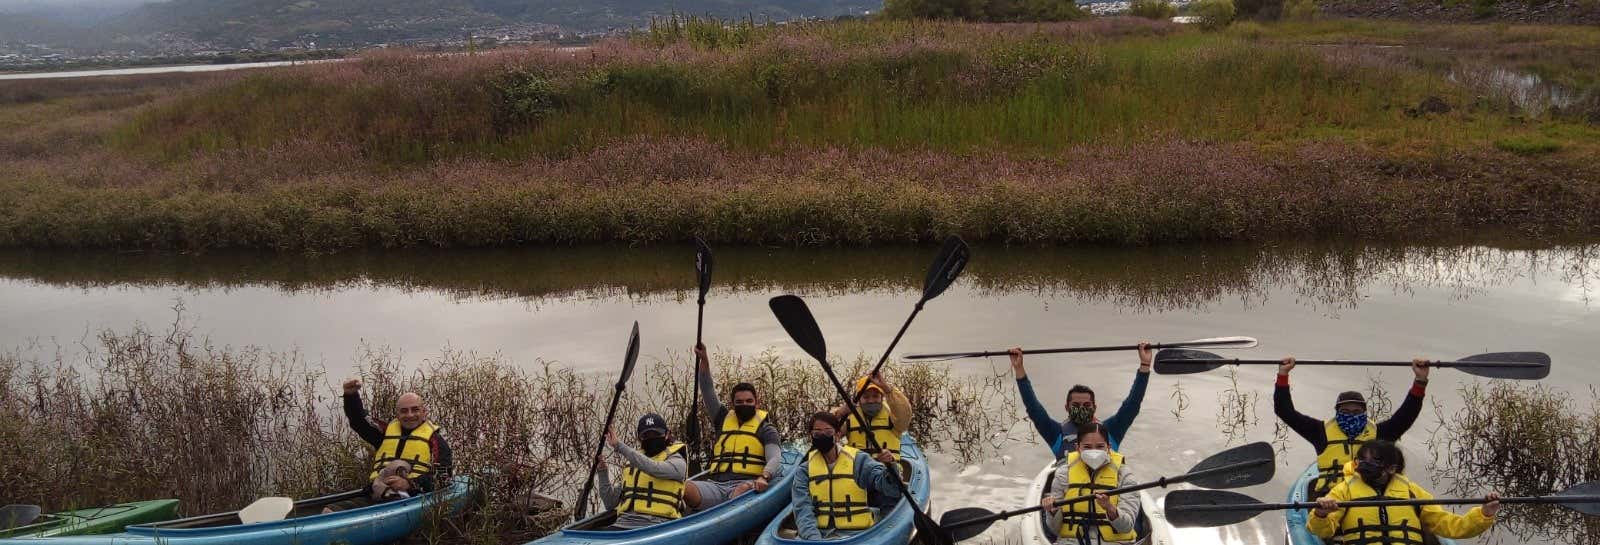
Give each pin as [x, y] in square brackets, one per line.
[97, 520]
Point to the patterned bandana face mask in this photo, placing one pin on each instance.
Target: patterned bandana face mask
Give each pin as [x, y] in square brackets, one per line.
[1351, 424]
[1080, 415]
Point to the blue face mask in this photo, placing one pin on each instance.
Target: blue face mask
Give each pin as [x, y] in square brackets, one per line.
[1351, 424]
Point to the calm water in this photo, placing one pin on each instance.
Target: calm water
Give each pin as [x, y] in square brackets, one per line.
[574, 306]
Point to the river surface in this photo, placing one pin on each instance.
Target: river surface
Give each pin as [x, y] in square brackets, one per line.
[574, 306]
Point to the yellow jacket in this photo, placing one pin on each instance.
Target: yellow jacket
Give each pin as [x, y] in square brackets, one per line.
[1435, 519]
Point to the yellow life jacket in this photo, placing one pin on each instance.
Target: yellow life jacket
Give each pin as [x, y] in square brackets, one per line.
[414, 447]
[1392, 525]
[1340, 450]
[840, 503]
[649, 495]
[1081, 483]
[739, 449]
[882, 432]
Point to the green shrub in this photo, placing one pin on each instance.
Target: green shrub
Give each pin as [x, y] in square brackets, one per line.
[1300, 10]
[1152, 9]
[1213, 14]
[1527, 145]
[1483, 9]
[1258, 9]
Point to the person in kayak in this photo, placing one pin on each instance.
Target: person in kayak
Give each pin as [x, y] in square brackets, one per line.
[1062, 436]
[747, 453]
[1092, 468]
[886, 422]
[410, 452]
[1380, 474]
[842, 486]
[1337, 439]
[651, 490]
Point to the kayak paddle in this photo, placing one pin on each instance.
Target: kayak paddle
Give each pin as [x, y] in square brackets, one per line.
[15, 516]
[796, 319]
[622, 382]
[1217, 342]
[1510, 365]
[1212, 508]
[952, 258]
[266, 510]
[691, 424]
[1246, 465]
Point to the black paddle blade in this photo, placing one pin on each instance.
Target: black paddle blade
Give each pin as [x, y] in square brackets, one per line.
[1538, 365]
[1179, 506]
[1255, 459]
[702, 265]
[946, 267]
[796, 318]
[630, 358]
[928, 531]
[958, 516]
[1590, 489]
[15, 516]
[1176, 361]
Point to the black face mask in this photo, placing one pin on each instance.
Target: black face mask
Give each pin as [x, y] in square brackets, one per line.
[744, 412]
[1372, 472]
[654, 445]
[822, 443]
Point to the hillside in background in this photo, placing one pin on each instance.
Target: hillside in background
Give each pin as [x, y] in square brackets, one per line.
[193, 25]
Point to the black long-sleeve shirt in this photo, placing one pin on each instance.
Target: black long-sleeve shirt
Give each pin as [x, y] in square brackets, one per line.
[1314, 430]
[373, 434]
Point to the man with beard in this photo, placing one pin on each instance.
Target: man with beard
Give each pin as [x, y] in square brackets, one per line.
[1337, 439]
[409, 454]
[1063, 436]
[747, 453]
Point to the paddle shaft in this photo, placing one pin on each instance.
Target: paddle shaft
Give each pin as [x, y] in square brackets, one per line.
[1367, 363]
[903, 327]
[691, 425]
[588, 483]
[1116, 348]
[1390, 503]
[1159, 483]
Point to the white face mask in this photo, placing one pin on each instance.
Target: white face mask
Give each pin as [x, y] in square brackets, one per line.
[1094, 458]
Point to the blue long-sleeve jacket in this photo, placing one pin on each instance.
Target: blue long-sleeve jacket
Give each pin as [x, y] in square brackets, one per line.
[869, 473]
[1051, 430]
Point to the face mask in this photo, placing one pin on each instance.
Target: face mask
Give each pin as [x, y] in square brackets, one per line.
[654, 445]
[872, 409]
[1372, 472]
[822, 443]
[744, 412]
[1351, 424]
[1094, 458]
[1080, 415]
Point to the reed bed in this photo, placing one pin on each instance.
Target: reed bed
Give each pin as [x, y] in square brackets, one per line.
[158, 412]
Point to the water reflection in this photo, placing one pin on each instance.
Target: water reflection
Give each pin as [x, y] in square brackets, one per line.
[1328, 277]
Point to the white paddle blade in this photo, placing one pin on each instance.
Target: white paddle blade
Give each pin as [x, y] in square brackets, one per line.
[1223, 342]
[266, 510]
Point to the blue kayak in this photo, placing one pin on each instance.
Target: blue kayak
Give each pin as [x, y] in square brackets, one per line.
[1295, 519]
[722, 523]
[892, 529]
[306, 525]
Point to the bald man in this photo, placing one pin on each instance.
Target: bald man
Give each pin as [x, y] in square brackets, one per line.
[410, 450]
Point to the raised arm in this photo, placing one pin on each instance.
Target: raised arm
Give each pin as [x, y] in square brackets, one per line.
[900, 409]
[1119, 423]
[1283, 406]
[1048, 427]
[1410, 408]
[708, 388]
[357, 414]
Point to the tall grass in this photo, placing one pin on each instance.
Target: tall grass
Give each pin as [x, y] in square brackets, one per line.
[1109, 131]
